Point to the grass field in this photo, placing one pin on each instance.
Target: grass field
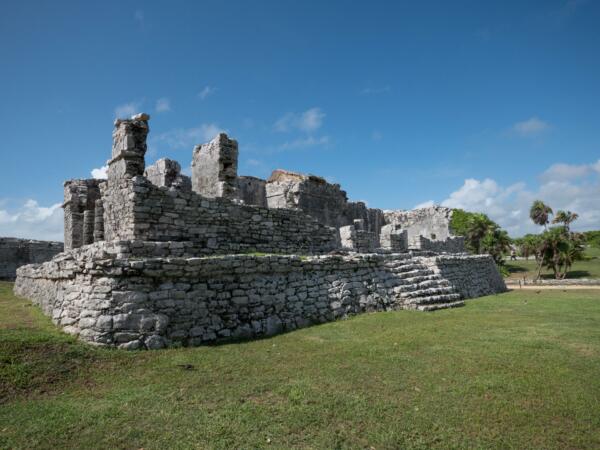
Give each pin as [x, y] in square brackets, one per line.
[589, 268]
[518, 370]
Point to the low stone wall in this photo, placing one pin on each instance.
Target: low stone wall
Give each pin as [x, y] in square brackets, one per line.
[471, 275]
[135, 209]
[15, 253]
[108, 296]
[454, 244]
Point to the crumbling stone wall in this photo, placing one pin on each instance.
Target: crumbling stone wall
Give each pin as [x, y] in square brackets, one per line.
[324, 201]
[214, 168]
[80, 197]
[471, 275]
[15, 253]
[166, 172]
[136, 209]
[150, 302]
[432, 223]
[252, 191]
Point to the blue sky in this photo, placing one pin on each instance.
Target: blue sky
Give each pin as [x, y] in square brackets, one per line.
[480, 105]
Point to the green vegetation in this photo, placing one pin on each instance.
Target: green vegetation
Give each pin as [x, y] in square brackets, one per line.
[482, 235]
[587, 267]
[519, 370]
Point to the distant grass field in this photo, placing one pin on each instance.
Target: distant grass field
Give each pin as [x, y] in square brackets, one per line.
[518, 370]
[589, 268]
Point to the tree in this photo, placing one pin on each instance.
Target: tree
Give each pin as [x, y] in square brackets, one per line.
[496, 242]
[565, 217]
[559, 249]
[539, 213]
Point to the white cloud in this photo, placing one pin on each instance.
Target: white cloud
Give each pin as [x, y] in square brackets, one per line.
[33, 221]
[308, 121]
[509, 205]
[530, 127]
[188, 137]
[127, 110]
[206, 91]
[427, 204]
[375, 90]
[567, 171]
[163, 105]
[307, 142]
[100, 173]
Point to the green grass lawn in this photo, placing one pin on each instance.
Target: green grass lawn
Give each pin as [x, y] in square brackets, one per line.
[588, 268]
[518, 370]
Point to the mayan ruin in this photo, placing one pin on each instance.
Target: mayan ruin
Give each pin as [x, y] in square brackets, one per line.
[154, 259]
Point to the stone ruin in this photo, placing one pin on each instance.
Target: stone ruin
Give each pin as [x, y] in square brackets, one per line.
[15, 252]
[153, 258]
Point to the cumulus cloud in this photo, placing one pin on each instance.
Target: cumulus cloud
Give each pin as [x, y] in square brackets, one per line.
[562, 172]
[127, 110]
[100, 173]
[206, 91]
[308, 121]
[188, 137]
[509, 205]
[530, 127]
[32, 221]
[163, 105]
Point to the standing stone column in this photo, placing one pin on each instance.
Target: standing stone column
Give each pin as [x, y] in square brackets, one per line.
[80, 196]
[214, 168]
[129, 147]
[88, 227]
[98, 221]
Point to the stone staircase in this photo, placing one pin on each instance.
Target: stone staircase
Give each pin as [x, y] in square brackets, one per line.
[418, 287]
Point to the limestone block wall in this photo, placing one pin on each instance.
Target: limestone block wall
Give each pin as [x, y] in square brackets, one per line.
[166, 172]
[214, 168]
[324, 201]
[136, 209]
[471, 275]
[449, 245]
[252, 191]
[15, 253]
[106, 296]
[433, 223]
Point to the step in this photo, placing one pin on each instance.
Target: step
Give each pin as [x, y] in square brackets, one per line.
[413, 273]
[430, 299]
[437, 306]
[427, 292]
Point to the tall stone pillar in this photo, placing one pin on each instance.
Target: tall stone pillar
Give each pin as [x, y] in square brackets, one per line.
[214, 168]
[88, 227]
[129, 147]
[98, 221]
[80, 196]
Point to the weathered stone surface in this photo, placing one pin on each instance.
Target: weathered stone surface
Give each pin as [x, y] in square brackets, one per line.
[169, 272]
[427, 228]
[214, 168]
[15, 253]
[188, 300]
[167, 173]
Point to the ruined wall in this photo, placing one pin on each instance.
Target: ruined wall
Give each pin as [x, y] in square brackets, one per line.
[471, 275]
[15, 253]
[448, 245]
[214, 168]
[252, 191]
[432, 223]
[80, 196]
[166, 172]
[326, 202]
[136, 209]
[137, 302]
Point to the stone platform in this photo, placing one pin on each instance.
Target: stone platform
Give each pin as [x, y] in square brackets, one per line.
[151, 294]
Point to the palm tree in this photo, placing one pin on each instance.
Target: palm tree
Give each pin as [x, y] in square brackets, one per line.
[565, 217]
[477, 228]
[539, 213]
